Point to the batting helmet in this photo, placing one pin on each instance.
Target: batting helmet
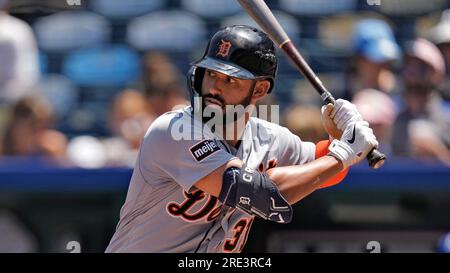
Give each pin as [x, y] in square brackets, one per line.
[238, 51]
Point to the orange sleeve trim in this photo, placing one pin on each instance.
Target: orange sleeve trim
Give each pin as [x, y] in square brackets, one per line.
[322, 150]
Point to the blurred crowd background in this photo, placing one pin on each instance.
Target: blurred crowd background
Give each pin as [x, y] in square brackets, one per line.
[81, 81]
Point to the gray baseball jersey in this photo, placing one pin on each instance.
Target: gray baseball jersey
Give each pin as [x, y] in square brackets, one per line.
[164, 212]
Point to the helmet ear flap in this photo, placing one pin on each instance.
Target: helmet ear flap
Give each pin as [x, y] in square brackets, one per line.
[195, 79]
[198, 79]
[272, 83]
[194, 82]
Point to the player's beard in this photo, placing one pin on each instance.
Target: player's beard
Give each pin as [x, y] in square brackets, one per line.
[245, 102]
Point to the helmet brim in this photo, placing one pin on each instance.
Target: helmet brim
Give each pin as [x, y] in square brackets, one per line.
[227, 68]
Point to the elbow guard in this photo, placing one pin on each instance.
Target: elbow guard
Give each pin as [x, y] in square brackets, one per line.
[254, 193]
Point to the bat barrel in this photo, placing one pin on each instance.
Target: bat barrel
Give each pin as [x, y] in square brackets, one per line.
[264, 17]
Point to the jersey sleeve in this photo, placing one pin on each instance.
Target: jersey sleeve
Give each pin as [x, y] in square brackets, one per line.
[293, 150]
[165, 156]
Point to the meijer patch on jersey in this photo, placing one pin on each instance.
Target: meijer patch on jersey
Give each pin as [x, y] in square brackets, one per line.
[204, 149]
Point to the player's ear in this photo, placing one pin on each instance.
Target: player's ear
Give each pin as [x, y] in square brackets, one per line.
[261, 89]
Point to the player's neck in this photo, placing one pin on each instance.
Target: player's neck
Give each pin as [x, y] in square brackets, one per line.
[234, 142]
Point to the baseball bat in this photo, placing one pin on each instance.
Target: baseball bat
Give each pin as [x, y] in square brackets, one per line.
[264, 17]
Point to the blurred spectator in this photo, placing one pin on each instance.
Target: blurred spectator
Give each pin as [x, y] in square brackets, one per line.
[379, 110]
[305, 122]
[423, 127]
[161, 80]
[440, 35]
[158, 72]
[19, 57]
[375, 51]
[29, 130]
[129, 119]
[87, 152]
[169, 98]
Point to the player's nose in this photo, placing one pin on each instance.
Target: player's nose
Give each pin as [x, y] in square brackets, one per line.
[215, 91]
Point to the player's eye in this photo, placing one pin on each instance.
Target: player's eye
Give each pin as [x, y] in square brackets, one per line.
[231, 80]
[210, 73]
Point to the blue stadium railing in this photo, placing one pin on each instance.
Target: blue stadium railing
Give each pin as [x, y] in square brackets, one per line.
[36, 175]
[87, 202]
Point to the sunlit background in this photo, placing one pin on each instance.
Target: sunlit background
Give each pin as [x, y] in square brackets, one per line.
[81, 81]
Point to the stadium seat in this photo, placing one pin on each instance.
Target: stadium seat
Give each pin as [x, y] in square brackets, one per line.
[89, 117]
[287, 21]
[411, 7]
[114, 65]
[70, 30]
[317, 7]
[303, 91]
[43, 63]
[47, 6]
[204, 8]
[60, 92]
[335, 32]
[119, 9]
[175, 30]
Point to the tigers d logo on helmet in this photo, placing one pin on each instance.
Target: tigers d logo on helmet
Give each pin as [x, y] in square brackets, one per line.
[238, 51]
[224, 48]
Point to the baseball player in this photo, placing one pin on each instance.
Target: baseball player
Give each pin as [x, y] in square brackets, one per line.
[202, 193]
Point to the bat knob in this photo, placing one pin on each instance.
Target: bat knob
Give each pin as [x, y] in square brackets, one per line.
[376, 159]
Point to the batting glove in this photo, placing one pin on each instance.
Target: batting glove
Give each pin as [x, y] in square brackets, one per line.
[328, 123]
[356, 142]
[344, 113]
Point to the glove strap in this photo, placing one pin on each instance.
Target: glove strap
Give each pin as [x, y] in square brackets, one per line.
[341, 151]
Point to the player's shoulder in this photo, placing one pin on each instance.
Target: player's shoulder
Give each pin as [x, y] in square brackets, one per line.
[175, 126]
[272, 128]
[166, 120]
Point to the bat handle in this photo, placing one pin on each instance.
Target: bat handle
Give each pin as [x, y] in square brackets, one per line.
[375, 157]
